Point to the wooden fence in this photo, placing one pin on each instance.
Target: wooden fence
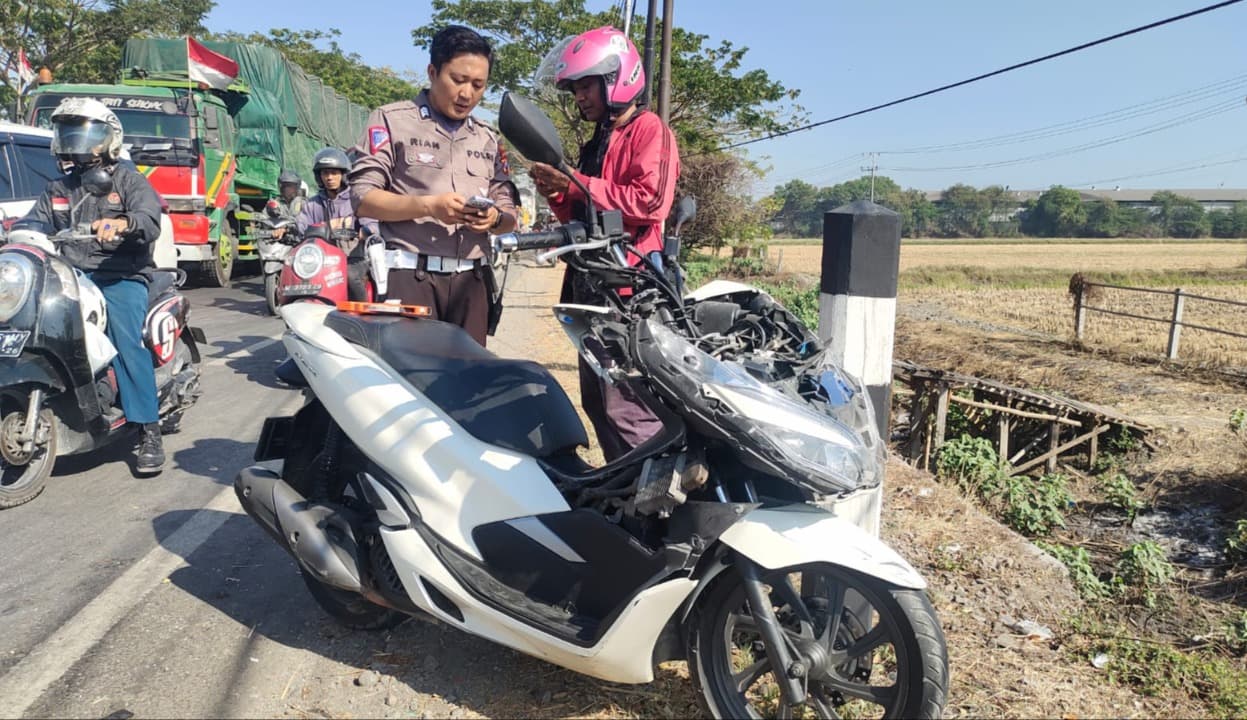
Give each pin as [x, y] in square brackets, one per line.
[1084, 290]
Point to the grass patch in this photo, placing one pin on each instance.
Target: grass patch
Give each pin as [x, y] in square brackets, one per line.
[1153, 669]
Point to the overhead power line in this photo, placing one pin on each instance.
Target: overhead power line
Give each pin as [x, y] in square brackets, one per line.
[984, 76]
[1199, 114]
[1170, 170]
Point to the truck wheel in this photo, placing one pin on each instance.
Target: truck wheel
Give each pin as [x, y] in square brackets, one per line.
[217, 271]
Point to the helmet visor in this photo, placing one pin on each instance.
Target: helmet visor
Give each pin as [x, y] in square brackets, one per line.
[80, 137]
[546, 76]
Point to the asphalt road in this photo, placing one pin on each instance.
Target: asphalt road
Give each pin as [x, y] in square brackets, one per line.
[123, 596]
[88, 614]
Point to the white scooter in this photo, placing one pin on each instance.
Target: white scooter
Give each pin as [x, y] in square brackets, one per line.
[427, 476]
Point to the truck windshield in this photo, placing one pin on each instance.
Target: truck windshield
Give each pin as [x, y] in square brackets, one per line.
[155, 133]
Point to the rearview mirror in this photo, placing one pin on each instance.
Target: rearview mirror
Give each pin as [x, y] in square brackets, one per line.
[526, 127]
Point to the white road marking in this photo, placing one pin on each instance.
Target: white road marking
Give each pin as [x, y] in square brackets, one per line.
[23, 685]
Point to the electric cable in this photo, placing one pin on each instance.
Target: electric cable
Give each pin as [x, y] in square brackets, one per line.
[982, 76]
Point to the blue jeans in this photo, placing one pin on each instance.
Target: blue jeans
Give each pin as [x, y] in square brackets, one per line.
[126, 301]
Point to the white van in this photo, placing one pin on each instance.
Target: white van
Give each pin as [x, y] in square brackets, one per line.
[26, 168]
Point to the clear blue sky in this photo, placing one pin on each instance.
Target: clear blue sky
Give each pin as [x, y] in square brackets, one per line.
[845, 56]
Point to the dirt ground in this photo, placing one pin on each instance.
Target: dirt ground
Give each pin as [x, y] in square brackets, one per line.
[983, 577]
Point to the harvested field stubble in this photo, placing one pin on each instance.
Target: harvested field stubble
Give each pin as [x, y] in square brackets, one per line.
[1051, 312]
[1073, 257]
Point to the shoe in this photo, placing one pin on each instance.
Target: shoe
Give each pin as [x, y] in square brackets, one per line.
[151, 457]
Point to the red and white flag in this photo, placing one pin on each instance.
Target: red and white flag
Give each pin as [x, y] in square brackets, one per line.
[25, 73]
[212, 69]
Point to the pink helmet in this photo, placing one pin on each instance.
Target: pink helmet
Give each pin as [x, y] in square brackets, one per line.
[606, 52]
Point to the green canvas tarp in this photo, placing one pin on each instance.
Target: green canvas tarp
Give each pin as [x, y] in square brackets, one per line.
[283, 121]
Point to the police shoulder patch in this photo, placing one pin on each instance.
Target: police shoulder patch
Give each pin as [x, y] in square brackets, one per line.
[378, 138]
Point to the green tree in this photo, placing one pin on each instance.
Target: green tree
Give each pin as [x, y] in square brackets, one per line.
[797, 208]
[964, 212]
[886, 193]
[1222, 225]
[918, 214]
[712, 101]
[1103, 219]
[1058, 212]
[1179, 216]
[1001, 211]
[81, 40]
[345, 72]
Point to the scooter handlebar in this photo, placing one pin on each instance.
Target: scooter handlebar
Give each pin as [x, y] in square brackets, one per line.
[562, 235]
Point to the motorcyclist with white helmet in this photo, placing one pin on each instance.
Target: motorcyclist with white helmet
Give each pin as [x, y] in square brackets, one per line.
[118, 204]
[289, 203]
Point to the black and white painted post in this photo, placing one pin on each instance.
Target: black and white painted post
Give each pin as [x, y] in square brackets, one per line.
[857, 310]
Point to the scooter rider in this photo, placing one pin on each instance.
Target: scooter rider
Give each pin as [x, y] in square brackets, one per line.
[290, 203]
[631, 165]
[332, 205]
[124, 213]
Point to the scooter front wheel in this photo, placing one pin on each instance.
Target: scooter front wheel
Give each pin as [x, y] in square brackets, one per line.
[270, 292]
[858, 646]
[23, 473]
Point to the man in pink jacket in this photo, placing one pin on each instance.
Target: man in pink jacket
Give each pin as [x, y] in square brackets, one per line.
[630, 165]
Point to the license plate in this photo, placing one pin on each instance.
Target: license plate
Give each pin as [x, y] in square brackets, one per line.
[12, 342]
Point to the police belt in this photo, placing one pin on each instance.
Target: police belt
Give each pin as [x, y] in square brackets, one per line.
[398, 259]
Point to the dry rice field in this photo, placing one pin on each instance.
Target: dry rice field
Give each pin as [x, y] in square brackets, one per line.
[1074, 257]
[1051, 310]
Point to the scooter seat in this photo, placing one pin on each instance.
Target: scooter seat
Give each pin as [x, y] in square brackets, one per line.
[161, 280]
[515, 404]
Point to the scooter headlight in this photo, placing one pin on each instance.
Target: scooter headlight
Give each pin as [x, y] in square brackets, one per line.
[17, 278]
[308, 260]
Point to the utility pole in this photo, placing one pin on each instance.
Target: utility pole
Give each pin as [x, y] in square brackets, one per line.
[872, 167]
[664, 89]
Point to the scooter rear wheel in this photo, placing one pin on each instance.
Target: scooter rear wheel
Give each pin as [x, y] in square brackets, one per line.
[351, 609]
[22, 482]
[863, 648]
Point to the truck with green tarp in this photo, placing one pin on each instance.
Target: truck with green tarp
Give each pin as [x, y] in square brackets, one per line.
[214, 155]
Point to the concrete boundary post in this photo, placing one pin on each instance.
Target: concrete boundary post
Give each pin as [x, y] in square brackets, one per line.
[857, 308]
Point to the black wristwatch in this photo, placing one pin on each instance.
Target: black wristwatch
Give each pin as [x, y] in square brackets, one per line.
[498, 221]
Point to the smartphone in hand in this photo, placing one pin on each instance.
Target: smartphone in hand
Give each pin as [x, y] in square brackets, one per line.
[480, 203]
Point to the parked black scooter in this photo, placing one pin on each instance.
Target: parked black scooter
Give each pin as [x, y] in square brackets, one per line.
[58, 391]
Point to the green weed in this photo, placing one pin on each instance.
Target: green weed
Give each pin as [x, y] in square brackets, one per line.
[1120, 492]
[1084, 577]
[1144, 567]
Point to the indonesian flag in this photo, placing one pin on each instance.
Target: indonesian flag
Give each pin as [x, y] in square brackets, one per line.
[212, 69]
[25, 74]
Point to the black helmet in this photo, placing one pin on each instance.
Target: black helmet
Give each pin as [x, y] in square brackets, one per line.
[289, 177]
[330, 158]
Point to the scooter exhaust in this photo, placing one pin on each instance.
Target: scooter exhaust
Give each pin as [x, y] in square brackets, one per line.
[320, 537]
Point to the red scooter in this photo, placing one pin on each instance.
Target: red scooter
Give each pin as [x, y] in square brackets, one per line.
[318, 269]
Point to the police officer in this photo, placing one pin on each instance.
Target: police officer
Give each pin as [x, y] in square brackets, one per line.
[123, 211]
[417, 166]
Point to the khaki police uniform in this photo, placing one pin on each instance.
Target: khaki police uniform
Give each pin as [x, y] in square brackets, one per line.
[405, 150]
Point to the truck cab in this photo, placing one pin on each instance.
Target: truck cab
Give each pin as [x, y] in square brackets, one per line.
[185, 142]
